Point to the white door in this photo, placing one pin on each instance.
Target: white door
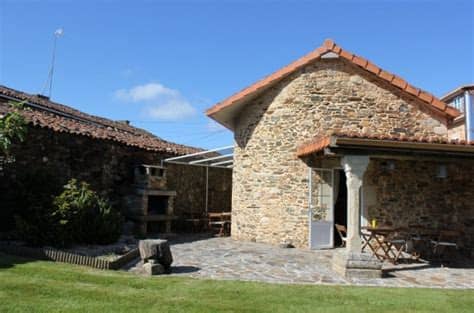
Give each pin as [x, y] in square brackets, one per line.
[321, 218]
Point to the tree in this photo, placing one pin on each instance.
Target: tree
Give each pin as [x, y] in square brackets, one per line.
[12, 128]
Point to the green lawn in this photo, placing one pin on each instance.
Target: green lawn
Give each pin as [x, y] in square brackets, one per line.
[37, 286]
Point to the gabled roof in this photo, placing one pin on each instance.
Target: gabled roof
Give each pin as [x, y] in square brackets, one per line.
[224, 110]
[447, 97]
[60, 118]
[374, 141]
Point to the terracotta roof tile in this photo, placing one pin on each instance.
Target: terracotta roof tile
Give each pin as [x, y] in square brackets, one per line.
[439, 104]
[319, 143]
[371, 67]
[412, 90]
[61, 118]
[360, 61]
[386, 75]
[452, 111]
[337, 49]
[399, 82]
[346, 55]
[429, 100]
[427, 97]
[329, 43]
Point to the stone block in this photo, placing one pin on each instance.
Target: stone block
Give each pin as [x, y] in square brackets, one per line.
[152, 268]
[157, 250]
[362, 274]
[357, 265]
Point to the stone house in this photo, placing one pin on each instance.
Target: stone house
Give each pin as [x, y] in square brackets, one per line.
[68, 143]
[333, 138]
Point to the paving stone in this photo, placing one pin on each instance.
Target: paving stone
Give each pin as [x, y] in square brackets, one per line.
[227, 259]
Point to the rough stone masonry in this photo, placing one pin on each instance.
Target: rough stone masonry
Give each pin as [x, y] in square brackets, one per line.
[270, 184]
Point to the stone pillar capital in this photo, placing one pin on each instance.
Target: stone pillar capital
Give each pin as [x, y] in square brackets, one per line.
[355, 165]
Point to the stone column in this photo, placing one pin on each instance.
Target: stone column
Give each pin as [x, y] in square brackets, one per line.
[351, 262]
[354, 167]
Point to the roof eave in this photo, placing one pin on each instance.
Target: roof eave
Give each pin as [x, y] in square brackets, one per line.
[402, 145]
[457, 91]
[334, 144]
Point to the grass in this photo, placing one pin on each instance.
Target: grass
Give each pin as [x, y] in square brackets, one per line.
[38, 286]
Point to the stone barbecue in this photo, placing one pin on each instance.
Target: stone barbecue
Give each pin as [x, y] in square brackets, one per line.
[151, 207]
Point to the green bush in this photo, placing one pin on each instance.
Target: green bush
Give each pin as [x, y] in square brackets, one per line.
[84, 217]
[77, 215]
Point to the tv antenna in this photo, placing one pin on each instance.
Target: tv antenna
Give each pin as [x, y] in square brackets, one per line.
[49, 81]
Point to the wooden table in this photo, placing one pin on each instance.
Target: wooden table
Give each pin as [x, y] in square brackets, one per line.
[220, 222]
[376, 238]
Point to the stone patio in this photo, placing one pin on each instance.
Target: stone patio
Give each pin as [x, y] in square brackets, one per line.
[225, 258]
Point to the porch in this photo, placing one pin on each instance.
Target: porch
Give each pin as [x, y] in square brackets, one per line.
[398, 184]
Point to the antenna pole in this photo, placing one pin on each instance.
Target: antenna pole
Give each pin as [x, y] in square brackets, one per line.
[51, 73]
[49, 81]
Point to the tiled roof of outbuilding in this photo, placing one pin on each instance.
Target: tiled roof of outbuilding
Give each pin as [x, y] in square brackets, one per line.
[428, 99]
[61, 118]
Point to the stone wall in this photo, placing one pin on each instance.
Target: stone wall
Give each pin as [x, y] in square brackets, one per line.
[190, 184]
[270, 187]
[412, 194]
[108, 167]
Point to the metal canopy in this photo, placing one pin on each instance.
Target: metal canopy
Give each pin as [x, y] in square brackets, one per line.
[222, 157]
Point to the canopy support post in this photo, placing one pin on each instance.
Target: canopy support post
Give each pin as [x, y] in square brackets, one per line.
[207, 189]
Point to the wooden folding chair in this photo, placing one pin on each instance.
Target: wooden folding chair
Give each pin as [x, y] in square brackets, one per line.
[342, 231]
[447, 239]
[397, 244]
[219, 223]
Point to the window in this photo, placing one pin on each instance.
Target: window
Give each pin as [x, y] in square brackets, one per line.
[458, 103]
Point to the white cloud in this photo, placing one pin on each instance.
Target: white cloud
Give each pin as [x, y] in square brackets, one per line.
[145, 92]
[159, 101]
[171, 110]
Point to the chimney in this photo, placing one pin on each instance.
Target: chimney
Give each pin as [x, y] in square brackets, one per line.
[42, 97]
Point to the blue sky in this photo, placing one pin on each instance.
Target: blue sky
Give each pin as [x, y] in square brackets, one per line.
[161, 64]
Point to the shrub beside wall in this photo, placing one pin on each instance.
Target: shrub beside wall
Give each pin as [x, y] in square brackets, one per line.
[77, 215]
